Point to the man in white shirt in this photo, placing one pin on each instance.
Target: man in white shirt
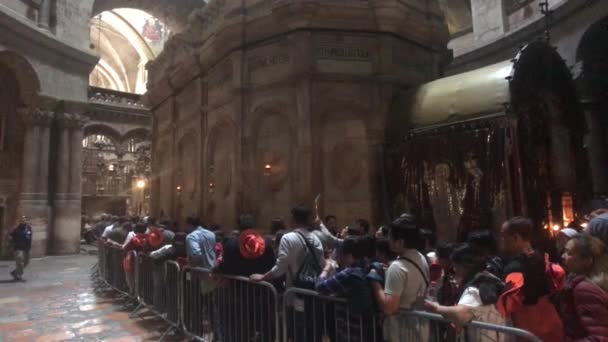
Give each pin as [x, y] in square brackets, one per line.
[292, 253]
[293, 249]
[108, 228]
[407, 279]
[117, 222]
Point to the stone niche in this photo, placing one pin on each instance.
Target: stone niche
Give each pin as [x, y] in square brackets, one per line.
[258, 112]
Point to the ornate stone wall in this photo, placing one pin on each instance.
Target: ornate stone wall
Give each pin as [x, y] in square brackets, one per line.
[261, 111]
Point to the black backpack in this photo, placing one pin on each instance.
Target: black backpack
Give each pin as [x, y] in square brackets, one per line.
[309, 272]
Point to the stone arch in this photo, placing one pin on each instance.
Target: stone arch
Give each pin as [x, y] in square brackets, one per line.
[141, 133]
[592, 55]
[102, 129]
[263, 109]
[595, 32]
[27, 79]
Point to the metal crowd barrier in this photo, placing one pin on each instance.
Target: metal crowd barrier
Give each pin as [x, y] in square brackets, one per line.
[113, 272]
[173, 290]
[101, 260]
[210, 307]
[144, 282]
[310, 317]
[492, 331]
[158, 290]
[229, 308]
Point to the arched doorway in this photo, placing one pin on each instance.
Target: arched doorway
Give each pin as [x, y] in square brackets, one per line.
[103, 175]
[19, 88]
[592, 54]
[116, 171]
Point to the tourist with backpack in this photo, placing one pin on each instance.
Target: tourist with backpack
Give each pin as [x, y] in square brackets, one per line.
[300, 259]
[479, 292]
[407, 280]
[355, 319]
[300, 256]
[528, 283]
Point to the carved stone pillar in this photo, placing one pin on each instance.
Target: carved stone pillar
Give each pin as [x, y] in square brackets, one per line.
[33, 199]
[67, 198]
[77, 135]
[44, 19]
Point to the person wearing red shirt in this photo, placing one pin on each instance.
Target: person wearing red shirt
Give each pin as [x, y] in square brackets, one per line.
[526, 302]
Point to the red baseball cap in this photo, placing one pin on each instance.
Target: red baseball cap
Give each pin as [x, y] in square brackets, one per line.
[251, 244]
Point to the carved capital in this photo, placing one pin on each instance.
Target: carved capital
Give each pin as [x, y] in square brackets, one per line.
[36, 117]
[80, 120]
[67, 120]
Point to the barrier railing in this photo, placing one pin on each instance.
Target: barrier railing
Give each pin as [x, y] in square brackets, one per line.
[173, 293]
[144, 279]
[476, 328]
[229, 308]
[158, 289]
[210, 307]
[308, 316]
[101, 260]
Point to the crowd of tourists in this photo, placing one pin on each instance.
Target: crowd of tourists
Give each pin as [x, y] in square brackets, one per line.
[504, 279]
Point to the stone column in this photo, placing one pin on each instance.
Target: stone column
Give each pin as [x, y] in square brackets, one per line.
[77, 135]
[67, 197]
[33, 199]
[44, 14]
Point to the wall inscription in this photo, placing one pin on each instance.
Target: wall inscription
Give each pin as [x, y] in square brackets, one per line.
[343, 53]
[344, 60]
[259, 62]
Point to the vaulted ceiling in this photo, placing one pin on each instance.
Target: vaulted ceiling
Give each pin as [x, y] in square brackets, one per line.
[125, 40]
[174, 13]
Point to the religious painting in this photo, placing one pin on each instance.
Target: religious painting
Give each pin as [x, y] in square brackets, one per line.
[452, 182]
[153, 30]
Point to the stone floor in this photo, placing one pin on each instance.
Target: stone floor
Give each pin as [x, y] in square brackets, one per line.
[57, 302]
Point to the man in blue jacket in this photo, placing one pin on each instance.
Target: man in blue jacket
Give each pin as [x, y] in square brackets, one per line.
[21, 237]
